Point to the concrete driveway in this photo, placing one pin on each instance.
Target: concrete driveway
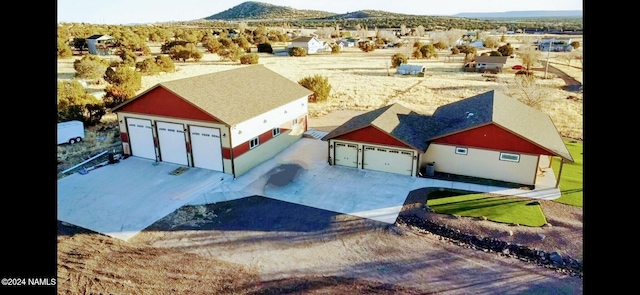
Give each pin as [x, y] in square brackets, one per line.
[122, 199]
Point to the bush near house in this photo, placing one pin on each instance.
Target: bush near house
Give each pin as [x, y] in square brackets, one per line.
[297, 51]
[398, 59]
[319, 85]
[249, 59]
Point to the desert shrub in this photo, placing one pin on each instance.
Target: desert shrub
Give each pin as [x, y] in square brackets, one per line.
[183, 53]
[398, 59]
[495, 53]
[335, 49]
[440, 45]
[148, 67]
[297, 51]
[90, 67]
[166, 47]
[319, 85]
[64, 51]
[265, 47]
[128, 57]
[233, 52]
[506, 50]
[526, 73]
[425, 51]
[165, 63]
[575, 44]
[366, 46]
[249, 59]
[455, 50]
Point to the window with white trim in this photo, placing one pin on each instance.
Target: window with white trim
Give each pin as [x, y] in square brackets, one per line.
[461, 150]
[510, 157]
[254, 142]
[275, 132]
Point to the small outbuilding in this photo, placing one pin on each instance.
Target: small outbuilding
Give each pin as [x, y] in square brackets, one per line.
[411, 69]
[101, 44]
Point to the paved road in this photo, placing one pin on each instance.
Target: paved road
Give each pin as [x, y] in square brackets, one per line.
[571, 83]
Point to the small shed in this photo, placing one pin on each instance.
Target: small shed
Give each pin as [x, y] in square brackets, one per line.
[101, 44]
[411, 69]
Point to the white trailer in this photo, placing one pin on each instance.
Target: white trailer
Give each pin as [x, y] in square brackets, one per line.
[70, 132]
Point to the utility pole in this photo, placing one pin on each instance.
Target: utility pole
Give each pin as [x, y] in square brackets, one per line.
[547, 67]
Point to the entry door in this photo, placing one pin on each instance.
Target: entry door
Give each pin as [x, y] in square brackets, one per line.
[141, 138]
[206, 147]
[173, 144]
[346, 154]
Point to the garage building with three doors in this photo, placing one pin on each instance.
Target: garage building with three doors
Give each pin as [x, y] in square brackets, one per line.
[214, 121]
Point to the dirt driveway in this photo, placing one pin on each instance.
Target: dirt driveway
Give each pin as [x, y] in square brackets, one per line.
[285, 240]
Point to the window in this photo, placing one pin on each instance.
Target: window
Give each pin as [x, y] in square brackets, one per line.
[461, 151]
[254, 143]
[294, 122]
[275, 132]
[510, 157]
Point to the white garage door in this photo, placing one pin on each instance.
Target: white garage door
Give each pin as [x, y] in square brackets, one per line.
[141, 138]
[172, 142]
[388, 160]
[206, 147]
[346, 154]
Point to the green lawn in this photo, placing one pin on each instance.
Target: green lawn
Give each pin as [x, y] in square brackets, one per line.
[495, 208]
[571, 178]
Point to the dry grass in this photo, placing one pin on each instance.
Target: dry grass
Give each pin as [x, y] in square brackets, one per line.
[363, 81]
[90, 263]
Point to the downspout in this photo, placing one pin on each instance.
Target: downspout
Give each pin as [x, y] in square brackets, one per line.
[233, 160]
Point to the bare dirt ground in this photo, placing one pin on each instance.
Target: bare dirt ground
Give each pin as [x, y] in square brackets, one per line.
[258, 245]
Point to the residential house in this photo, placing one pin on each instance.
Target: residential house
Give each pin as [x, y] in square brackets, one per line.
[489, 135]
[486, 63]
[311, 44]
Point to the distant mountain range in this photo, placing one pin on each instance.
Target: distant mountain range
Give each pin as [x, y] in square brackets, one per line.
[528, 13]
[252, 10]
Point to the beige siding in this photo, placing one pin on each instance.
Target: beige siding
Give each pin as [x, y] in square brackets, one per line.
[481, 163]
[263, 152]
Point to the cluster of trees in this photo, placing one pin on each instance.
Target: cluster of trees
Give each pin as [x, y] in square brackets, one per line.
[319, 85]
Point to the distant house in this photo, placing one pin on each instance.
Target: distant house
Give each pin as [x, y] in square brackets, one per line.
[311, 44]
[487, 64]
[348, 42]
[489, 135]
[410, 69]
[101, 44]
[556, 45]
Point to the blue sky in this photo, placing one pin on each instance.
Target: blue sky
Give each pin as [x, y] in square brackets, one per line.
[151, 11]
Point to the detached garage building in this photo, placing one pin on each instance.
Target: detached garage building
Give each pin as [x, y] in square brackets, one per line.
[489, 135]
[228, 121]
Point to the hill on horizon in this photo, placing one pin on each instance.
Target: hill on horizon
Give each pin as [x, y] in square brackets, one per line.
[254, 10]
[260, 10]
